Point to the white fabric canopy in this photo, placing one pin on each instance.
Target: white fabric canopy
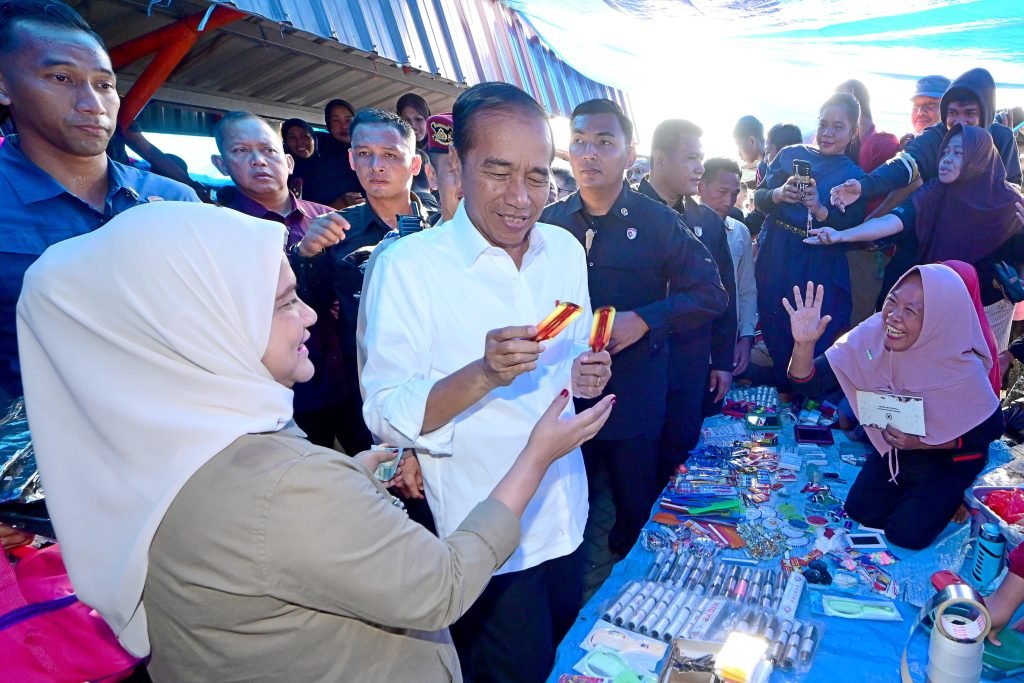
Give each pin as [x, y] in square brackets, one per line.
[714, 61]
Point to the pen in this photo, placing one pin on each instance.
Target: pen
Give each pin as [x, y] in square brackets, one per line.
[792, 650]
[673, 629]
[670, 613]
[733, 578]
[631, 590]
[701, 571]
[684, 571]
[694, 616]
[807, 644]
[743, 621]
[716, 583]
[633, 604]
[766, 592]
[754, 594]
[785, 627]
[641, 613]
[655, 569]
[656, 613]
[741, 587]
[668, 567]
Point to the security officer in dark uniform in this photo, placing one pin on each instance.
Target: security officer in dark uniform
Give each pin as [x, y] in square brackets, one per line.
[658, 276]
[329, 270]
[695, 388]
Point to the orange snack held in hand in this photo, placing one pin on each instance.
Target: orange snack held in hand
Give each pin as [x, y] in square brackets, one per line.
[601, 332]
[550, 327]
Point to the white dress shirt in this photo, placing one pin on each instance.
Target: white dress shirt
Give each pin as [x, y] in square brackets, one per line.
[741, 249]
[431, 301]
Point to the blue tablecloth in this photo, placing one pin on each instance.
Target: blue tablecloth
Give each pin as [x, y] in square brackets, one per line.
[854, 651]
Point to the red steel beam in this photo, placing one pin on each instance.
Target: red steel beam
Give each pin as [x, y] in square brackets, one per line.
[170, 43]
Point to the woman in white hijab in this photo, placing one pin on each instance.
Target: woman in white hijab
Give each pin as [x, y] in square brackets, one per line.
[158, 356]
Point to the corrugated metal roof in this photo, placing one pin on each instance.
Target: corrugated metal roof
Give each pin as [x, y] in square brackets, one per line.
[292, 56]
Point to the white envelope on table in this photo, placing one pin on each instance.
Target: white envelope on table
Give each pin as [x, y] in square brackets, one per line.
[905, 413]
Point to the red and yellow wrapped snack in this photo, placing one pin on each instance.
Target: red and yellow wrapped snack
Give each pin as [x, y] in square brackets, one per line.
[601, 332]
[550, 327]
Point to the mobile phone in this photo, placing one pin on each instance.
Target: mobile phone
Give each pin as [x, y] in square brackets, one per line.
[767, 422]
[813, 434]
[861, 541]
[408, 225]
[802, 171]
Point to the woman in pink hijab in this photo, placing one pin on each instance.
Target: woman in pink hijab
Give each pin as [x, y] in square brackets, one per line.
[969, 275]
[926, 342]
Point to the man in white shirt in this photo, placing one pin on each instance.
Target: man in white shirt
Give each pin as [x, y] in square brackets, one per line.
[440, 298]
[718, 189]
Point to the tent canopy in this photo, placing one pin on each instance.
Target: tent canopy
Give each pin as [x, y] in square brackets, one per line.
[779, 59]
[289, 57]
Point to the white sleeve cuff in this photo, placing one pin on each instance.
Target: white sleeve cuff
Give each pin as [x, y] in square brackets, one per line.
[402, 419]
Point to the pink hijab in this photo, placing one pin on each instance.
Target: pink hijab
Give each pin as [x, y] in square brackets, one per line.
[947, 366]
[969, 275]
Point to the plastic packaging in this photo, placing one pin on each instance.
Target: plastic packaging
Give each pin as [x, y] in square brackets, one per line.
[791, 644]
[976, 500]
[742, 658]
[548, 328]
[791, 597]
[1007, 503]
[601, 332]
[850, 607]
[19, 478]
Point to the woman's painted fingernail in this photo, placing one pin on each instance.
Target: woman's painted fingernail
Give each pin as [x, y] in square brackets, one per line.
[565, 393]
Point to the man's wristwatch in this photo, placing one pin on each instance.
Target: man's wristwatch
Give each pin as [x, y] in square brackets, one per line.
[294, 249]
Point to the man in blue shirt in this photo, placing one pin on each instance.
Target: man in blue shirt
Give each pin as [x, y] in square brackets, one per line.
[56, 180]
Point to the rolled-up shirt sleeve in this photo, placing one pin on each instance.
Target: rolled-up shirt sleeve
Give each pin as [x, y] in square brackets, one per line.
[397, 378]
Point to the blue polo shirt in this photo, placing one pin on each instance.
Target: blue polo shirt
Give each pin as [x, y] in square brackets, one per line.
[37, 211]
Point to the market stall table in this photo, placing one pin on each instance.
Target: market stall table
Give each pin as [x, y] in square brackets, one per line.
[850, 649]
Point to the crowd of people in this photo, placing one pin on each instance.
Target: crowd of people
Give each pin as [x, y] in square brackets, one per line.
[204, 383]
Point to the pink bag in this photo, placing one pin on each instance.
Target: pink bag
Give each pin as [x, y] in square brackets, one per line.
[46, 634]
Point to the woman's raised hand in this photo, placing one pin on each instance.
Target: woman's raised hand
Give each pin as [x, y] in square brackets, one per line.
[805, 320]
[551, 438]
[844, 195]
[554, 436]
[1020, 212]
[824, 235]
